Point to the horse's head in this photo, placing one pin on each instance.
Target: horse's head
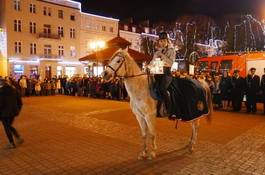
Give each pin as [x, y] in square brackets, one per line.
[117, 65]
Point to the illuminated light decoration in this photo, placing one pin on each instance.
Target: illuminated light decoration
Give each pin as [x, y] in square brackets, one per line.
[49, 59]
[2, 43]
[23, 61]
[186, 41]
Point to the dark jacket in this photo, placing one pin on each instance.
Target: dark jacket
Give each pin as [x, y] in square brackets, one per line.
[10, 102]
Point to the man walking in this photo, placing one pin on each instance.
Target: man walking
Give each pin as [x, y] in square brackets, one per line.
[10, 106]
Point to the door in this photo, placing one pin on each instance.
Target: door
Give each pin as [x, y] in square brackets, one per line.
[47, 31]
[48, 72]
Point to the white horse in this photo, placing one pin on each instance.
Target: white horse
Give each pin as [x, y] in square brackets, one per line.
[142, 104]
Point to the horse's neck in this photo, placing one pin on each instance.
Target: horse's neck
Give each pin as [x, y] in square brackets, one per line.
[138, 85]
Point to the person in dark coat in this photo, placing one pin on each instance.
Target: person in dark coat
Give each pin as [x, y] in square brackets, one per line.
[237, 92]
[251, 91]
[225, 87]
[262, 85]
[10, 106]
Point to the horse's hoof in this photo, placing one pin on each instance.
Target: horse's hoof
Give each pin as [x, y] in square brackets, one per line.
[141, 157]
[189, 151]
[151, 157]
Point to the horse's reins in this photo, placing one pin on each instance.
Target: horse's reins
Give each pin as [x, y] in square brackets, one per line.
[115, 71]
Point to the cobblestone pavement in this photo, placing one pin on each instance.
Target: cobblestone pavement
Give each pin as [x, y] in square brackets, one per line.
[78, 135]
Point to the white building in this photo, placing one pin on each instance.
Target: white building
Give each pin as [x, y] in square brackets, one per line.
[47, 37]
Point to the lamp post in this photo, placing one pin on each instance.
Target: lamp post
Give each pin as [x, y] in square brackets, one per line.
[97, 46]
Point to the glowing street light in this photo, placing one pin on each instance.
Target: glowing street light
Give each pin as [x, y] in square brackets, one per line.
[97, 46]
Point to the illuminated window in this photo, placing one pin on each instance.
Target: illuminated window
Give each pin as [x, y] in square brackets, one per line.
[96, 27]
[60, 13]
[134, 29]
[72, 33]
[87, 25]
[60, 31]
[126, 27]
[111, 29]
[33, 48]
[17, 25]
[32, 8]
[32, 27]
[72, 51]
[18, 47]
[146, 30]
[60, 50]
[17, 4]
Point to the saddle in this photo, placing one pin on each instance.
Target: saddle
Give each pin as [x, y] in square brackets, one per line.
[156, 95]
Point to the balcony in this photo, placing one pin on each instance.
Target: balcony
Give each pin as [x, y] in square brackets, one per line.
[47, 57]
[49, 36]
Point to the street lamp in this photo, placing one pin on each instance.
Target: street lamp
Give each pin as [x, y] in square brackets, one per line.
[97, 46]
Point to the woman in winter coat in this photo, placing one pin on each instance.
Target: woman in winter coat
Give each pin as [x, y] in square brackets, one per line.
[59, 87]
[38, 87]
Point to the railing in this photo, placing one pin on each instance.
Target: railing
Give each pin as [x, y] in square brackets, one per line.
[49, 35]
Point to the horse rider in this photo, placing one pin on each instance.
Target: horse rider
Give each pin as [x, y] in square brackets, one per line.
[167, 55]
[252, 81]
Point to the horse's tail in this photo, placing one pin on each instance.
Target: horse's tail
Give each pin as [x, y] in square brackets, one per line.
[209, 100]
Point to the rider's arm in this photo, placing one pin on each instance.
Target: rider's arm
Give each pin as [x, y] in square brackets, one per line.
[169, 57]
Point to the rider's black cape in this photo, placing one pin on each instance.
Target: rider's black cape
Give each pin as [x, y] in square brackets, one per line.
[188, 99]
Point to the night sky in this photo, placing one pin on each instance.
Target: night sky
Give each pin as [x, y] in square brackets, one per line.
[170, 10]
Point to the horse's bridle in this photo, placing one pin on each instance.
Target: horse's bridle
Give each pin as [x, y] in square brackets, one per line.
[115, 71]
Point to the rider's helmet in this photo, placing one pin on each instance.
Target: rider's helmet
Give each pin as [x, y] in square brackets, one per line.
[163, 35]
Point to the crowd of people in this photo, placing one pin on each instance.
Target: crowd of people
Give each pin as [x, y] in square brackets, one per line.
[94, 86]
[224, 87]
[236, 89]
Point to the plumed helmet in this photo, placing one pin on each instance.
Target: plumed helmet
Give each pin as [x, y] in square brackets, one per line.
[163, 35]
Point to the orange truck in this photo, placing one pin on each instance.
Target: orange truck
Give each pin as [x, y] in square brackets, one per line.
[240, 61]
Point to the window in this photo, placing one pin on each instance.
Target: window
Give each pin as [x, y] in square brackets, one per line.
[60, 31]
[96, 27]
[44, 11]
[60, 50]
[213, 66]
[49, 12]
[202, 66]
[103, 28]
[70, 71]
[146, 30]
[47, 51]
[72, 33]
[59, 70]
[72, 16]
[33, 48]
[126, 27]
[32, 27]
[133, 29]
[17, 25]
[111, 29]
[72, 51]
[32, 8]
[18, 47]
[17, 4]
[60, 13]
[225, 65]
[18, 71]
[87, 25]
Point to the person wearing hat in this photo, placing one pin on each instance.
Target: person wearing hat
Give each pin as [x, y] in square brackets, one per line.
[252, 81]
[262, 86]
[10, 106]
[237, 91]
[167, 55]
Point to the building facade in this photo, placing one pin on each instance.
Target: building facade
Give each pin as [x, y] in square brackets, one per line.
[47, 37]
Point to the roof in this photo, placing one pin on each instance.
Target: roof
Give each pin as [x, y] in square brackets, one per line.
[118, 40]
[107, 54]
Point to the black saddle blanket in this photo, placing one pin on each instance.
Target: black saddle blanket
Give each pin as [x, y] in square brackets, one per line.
[188, 99]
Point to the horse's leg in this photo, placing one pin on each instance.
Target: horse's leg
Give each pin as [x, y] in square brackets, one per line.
[143, 126]
[151, 119]
[195, 127]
